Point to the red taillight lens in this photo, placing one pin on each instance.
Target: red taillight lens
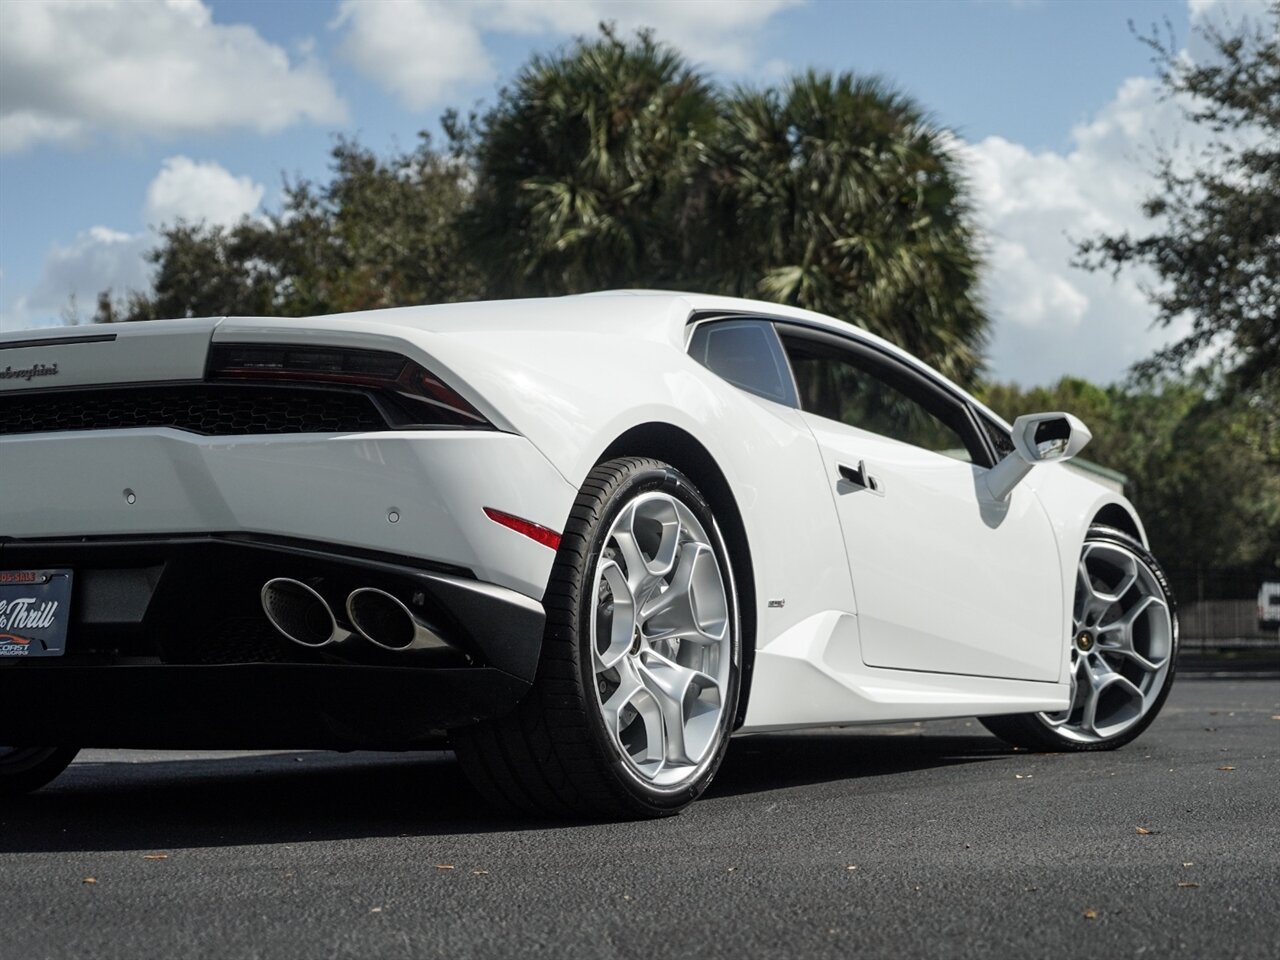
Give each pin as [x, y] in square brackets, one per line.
[376, 369]
[534, 531]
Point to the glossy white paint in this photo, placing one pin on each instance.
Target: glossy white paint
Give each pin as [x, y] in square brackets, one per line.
[810, 676]
[983, 598]
[334, 489]
[563, 379]
[124, 353]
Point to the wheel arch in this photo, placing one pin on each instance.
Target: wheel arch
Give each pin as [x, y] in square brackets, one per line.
[682, 450]
[1116, 515]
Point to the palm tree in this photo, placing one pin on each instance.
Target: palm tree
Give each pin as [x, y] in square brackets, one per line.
[583, 169]
[837, 194]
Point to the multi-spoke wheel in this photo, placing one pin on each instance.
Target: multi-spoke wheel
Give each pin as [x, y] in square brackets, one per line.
[23, 769]
[1123, 643]
[662, 647]
[637, 687]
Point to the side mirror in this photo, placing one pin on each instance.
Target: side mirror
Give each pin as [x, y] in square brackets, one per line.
[1037, 438]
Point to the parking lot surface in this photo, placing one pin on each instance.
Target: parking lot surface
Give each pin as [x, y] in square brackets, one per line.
[926, 840]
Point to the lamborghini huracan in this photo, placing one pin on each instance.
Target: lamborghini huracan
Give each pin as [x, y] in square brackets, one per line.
[583, 540]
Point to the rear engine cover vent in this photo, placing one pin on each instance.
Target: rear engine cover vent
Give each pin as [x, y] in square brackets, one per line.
[213, 410]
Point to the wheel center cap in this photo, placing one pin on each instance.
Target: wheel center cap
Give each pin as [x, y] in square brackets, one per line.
[1085, 641]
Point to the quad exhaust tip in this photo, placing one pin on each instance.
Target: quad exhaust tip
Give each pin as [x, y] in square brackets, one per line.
[301, 614]
[387, 623]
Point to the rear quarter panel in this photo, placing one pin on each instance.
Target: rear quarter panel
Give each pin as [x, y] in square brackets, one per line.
[573, 392]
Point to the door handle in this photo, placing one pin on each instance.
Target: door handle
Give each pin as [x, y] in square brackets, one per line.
[859, 477]
[855, 475]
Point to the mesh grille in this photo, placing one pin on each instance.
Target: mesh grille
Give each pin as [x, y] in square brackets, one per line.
[209, 409]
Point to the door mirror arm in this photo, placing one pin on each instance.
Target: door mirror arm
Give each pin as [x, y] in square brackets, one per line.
[1037, 438]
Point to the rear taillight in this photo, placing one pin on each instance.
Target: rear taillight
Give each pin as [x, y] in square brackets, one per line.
[379, 370]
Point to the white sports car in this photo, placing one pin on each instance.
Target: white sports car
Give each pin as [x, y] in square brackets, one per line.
[587, 539]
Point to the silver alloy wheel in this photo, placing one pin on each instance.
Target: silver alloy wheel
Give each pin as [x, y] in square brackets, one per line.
[1121, 646]
[661, 641]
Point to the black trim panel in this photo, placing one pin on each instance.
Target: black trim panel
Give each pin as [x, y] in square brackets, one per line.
[168, 647]
[204, 605]
[247, 706]
[57, 341]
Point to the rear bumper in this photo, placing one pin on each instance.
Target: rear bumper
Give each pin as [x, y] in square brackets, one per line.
[414, 494]
[167, 646]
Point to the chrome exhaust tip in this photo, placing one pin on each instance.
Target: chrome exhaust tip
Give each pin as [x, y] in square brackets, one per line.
[387, 623]
[301, 614]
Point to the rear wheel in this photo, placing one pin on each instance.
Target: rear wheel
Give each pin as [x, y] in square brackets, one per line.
[637, 687]
[1124, 643]
[23, 769]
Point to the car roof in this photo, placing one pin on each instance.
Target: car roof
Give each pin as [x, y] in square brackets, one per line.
[658, 314]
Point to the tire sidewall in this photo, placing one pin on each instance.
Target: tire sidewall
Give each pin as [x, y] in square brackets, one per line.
[30, 768]
[654, 478]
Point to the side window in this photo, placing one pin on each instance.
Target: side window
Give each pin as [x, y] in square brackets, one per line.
[843, 384]
[747, 354]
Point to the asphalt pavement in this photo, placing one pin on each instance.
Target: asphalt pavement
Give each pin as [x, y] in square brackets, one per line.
[917, 840]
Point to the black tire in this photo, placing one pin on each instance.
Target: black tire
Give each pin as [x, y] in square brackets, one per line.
[1032, 732]
[553, 755]
[24, 769]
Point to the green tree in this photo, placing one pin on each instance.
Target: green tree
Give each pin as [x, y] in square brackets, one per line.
[1215, 240]
[584, 169]
[1206, 493]
[614, 163]
[380, 233]
[837, 194]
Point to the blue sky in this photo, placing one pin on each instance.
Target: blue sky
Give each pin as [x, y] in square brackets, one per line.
[116, 117]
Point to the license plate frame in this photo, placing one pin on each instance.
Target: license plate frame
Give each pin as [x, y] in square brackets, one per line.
[35, 611]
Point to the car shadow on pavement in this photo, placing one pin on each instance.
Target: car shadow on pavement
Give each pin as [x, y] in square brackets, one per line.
[775, 761]
[122, 803]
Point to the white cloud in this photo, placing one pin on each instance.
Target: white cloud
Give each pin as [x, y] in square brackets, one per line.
[71, 68]
[193, 191]
[1233, 10]
[101, 258]
[418, 51]
[98, 259]
[424, 50]
[1052, 318]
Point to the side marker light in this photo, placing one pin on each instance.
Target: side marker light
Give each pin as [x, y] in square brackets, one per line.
[534, 531]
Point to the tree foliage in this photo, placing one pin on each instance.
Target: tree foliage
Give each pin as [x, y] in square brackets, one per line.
[1196, 473]
[1215, 241]
[615, 163]
[585, 170]
[837, 194]
[380, 233]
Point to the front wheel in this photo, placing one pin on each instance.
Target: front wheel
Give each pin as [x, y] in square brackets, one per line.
[1124, 644]
[23, 769]
[637, 686]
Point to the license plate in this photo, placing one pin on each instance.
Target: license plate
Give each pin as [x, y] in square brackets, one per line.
[35, 606]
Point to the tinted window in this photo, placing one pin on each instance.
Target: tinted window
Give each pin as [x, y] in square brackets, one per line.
[998, 435]
[747, 354]
[842, 384]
